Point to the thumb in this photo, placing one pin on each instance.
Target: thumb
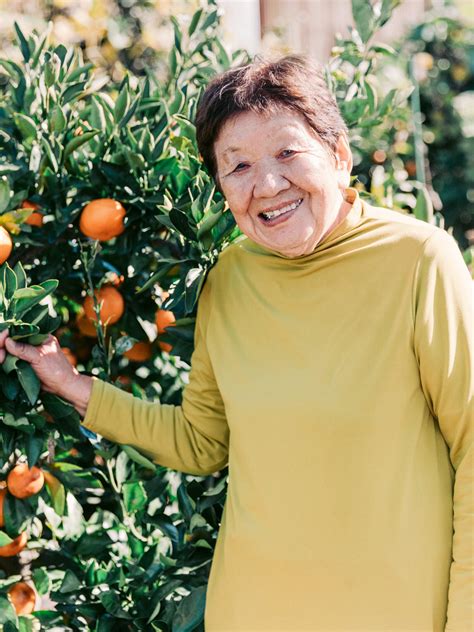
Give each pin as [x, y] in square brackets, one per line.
[21, 350]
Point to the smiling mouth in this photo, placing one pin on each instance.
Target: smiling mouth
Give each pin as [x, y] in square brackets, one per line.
[270, 216]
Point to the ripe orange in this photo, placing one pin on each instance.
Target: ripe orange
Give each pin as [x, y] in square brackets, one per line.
[140, 352]
[164, 318]
[22, 597]
[6, 245]
[86, 326]
[3, 493]
[111, 302]
[69, 355]
[23, 482]
[18, 544]
[35, 219]
[102, 219]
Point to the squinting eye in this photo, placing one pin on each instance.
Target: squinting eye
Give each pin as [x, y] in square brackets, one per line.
[286, 153]
[241, 166]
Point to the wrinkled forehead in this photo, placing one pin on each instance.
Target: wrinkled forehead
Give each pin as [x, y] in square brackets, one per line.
[249, 131]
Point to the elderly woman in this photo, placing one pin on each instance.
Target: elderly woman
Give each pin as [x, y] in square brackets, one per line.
[347, 459]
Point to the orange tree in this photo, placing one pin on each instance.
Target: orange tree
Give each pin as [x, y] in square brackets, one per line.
[104, 191]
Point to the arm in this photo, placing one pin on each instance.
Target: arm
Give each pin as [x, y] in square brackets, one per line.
[444, 346]
[191, 438]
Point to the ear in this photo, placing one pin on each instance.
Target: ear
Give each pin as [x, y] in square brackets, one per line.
[343, 156]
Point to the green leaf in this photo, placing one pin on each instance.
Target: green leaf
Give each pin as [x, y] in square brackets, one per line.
[78, 141]
[70, 583]
[111, 602]
[41, 581]
[19, 423]
[56, 492]
[424, 206]
[26, 125]
[9, 281]
[134, 496]
[193, 283]
[27, 623]
[7, 613]
[182, 224]
[27, 298]
[364, 18]
[71, 92]
[29, 381]
[4, 195]
[53, 161]
[5, 539]
[9, 364]
[20, 275]
[134, 455]
[97, 117]
[21, 39]
[34, 447]
[57, 119]
[211, 20]
[190, 611]
[194, 22]
[178, 36]
[17, 332]
[386, 10]
[123, 102]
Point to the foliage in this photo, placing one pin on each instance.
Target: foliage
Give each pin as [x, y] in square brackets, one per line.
[420, 156]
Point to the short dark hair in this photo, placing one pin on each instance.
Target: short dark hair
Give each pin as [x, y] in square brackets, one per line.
[263, 86]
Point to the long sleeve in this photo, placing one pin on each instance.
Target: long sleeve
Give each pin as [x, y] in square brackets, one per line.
[444, 345]
[192, 438]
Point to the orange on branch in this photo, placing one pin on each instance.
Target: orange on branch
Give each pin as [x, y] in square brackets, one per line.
[102, 219]
[17, 545]
[164, 318]
[35, 219]
[24, 482]
[22, 597]
[6, 244]
[140, 352]
[112, 305]
[86, 326]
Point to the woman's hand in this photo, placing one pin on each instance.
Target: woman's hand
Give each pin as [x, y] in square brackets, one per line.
[52, 368]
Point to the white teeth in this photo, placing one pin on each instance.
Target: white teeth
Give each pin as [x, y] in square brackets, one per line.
[280, 211]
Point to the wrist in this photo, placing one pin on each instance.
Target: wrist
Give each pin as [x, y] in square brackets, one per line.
[78, 391]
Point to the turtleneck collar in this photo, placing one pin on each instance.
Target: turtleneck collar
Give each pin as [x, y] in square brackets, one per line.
[350, 221]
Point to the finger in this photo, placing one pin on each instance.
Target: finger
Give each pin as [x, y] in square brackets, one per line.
[2, 355]
[3, 337]
[22, 350]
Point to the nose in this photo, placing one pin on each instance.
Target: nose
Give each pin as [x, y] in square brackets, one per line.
[269, 181]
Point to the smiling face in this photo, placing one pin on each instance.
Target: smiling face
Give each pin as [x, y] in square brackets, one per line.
[284, 187]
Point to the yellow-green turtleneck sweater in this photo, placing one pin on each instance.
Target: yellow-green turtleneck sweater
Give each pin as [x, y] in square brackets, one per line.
[338, 388]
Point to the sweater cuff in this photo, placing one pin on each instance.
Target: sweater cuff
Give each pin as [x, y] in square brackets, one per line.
[92, 417]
